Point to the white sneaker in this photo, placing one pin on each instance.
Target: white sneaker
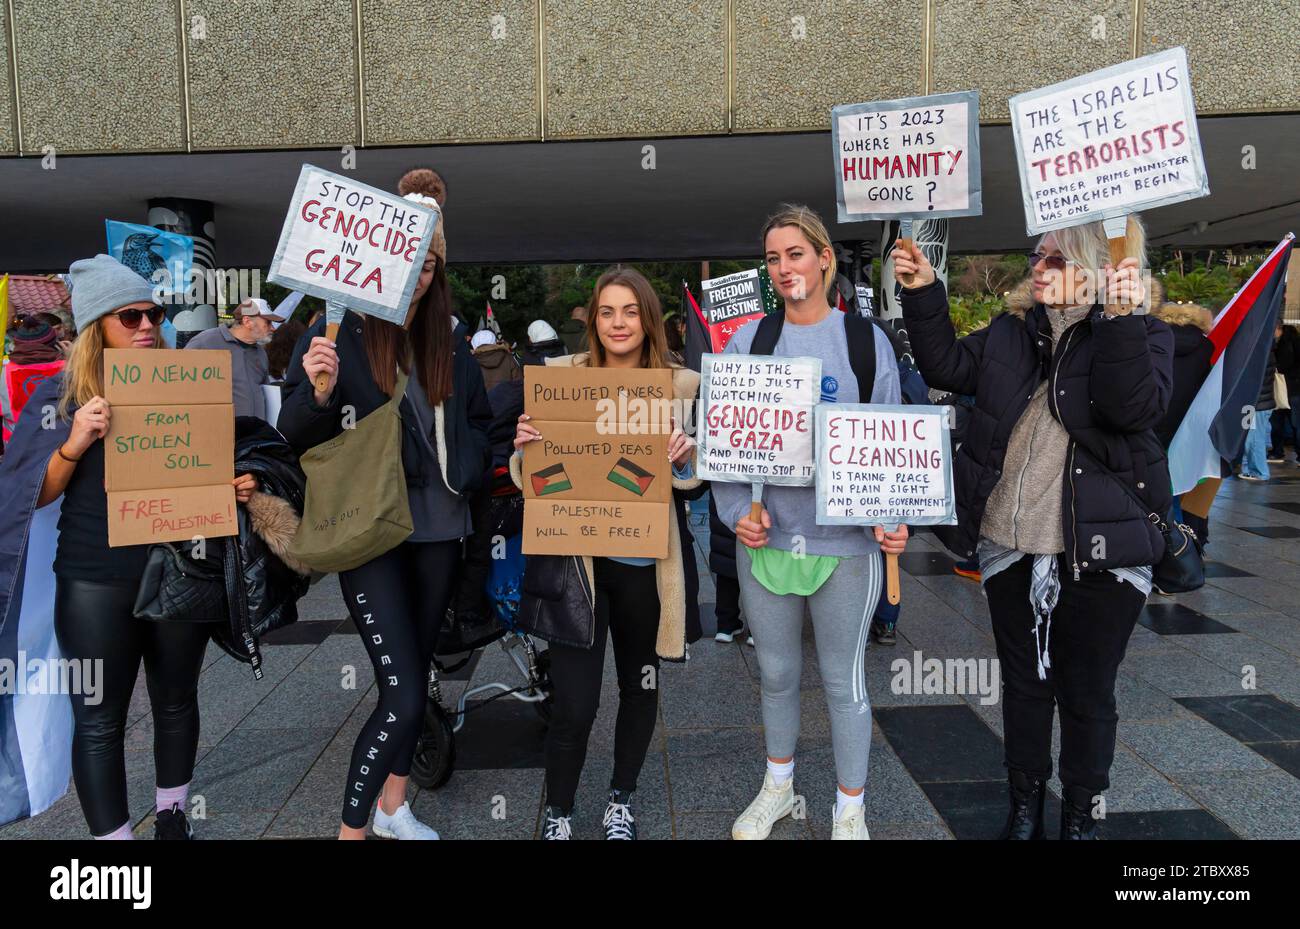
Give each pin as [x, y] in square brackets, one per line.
[749, 640]
[773, 802]
[401, 825]
[728, 637]
[852, 825]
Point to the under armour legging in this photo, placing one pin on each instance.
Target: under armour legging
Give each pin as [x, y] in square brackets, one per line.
[841, 613]
[397, 602]
[94, 621]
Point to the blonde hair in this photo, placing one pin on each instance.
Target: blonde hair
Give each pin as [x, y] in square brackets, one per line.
[83, 375]
[1088, 247]
[654, 348]
[806, 220]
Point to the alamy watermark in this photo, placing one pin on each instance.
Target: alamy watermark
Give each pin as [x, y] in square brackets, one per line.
[36, 676]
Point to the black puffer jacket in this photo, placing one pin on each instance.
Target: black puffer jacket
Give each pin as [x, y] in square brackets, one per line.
[1193, 350]
[467, 417]
[1110, 383]
[263, 582]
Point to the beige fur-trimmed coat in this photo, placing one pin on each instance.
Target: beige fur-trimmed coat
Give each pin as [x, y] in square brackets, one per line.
[670, 578]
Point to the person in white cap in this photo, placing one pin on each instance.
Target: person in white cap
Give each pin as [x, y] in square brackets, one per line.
[245, 338]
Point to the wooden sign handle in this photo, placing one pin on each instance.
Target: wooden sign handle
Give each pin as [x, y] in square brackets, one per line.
[905, 240]
[1117, 238]
[892, 592]
[323, 379]
[756, 512]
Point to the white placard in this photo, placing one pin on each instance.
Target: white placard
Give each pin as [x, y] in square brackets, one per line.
[916, 157]
[352, 244]
[1109, 143]
[884, 464]
[756, 418]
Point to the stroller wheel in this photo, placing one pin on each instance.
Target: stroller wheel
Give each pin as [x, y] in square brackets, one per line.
[435, 751]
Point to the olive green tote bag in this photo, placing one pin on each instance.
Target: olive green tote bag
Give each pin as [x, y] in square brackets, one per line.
[356, 507]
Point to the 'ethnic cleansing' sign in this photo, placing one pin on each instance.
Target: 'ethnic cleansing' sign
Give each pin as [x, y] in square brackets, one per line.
[352, 244]
[884, 464]
[756, 418]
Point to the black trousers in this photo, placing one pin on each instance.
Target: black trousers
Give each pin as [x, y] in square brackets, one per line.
[627, 610]
[94, 621]
[1091, 625]
[397, 602]
[727, 606]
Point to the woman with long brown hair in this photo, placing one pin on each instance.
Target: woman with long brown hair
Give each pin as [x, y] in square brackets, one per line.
[646, 605]
[397, 600]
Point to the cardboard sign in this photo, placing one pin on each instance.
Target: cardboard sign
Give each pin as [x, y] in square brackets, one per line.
[354, 244]
[884, 464]
[756, 418]
[916, 157]
[1109, 143]
[170, 449]
[729, 303]
[599, 481]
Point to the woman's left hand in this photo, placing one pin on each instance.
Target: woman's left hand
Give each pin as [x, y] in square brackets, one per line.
[891, 543]
[245, 487]
[680, 447]
[1124, 288]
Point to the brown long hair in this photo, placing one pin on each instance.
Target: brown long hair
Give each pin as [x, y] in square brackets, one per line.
[429, 341]
[654, 350]
[806, 220]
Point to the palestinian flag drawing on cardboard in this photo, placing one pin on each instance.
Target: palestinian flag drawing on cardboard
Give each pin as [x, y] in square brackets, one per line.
[629, 475]
[552, 480]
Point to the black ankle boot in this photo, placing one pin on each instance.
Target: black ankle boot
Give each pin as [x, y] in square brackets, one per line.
[1028, 794]
[1077, 821]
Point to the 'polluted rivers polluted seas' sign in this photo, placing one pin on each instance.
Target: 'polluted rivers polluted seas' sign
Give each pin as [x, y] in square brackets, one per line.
[169, 456]
[598, 481]
[756, 419]
[883, 464]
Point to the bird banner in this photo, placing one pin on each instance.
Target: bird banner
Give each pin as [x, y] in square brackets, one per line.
[163, 258]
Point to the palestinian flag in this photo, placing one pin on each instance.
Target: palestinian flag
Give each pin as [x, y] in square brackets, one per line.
[1214, 430]
[629, 475]
[698, 340]
[552, 480]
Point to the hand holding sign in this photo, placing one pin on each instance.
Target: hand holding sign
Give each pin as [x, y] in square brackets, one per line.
[321, 362]
[911, 267]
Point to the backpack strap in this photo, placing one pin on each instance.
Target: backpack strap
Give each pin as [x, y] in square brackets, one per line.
[769, 332]
[860, 334]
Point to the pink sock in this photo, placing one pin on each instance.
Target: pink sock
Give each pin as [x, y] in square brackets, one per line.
[121, 832]
[169, 797]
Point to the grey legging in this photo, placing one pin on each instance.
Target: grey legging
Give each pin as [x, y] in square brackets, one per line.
[841, 612]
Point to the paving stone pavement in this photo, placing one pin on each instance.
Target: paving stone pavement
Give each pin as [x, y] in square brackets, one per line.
[1209, 734]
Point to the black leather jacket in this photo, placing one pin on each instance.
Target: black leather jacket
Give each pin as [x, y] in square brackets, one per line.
[262, 590]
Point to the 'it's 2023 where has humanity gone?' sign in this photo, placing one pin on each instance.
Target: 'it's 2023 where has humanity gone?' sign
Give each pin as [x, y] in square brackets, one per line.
[598, 481]
[352, 244]
[884, 464]
[755, 422]
[1109, 143]
[169, 455]
[916, 157]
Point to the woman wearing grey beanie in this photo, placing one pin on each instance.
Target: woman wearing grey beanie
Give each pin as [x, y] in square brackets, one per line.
[95, 588]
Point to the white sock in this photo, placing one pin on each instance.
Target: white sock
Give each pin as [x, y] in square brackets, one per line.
[844, 801]
[780, 772]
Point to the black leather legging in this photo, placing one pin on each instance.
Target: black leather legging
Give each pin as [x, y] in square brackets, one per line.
[94, 621]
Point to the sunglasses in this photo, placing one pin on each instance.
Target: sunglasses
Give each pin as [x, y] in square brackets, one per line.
[1054, 262]
[131, 318]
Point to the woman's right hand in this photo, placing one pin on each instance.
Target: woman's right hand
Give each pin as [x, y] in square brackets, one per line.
[912, 269]
[321, 358]
[89, 424]
[754, 534]
[525, 433]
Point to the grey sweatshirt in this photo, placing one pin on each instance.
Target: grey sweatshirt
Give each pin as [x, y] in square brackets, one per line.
[794, 509]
